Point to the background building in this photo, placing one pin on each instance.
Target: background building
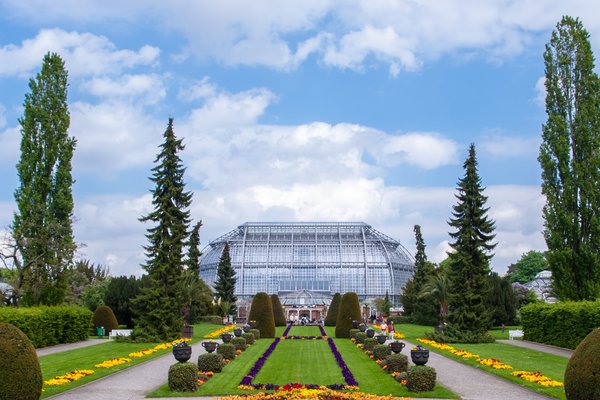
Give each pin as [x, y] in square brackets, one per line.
[321, 258]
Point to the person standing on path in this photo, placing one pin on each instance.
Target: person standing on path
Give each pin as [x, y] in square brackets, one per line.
[383, 328]
[390, 330]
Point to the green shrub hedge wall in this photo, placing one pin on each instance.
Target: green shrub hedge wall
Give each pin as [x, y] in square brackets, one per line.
[563, 324]
[47, 326]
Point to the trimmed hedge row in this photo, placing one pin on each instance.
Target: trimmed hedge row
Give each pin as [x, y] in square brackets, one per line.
[563, 324]
[47, 326]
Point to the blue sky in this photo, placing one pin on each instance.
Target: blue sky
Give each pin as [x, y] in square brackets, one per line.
[292, 111]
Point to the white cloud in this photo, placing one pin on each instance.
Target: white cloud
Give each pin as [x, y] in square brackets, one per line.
[85, 54]
[500, 146]
[201, 89]
[2, 116]
[10, 141]
[149, 88]
[540, 92]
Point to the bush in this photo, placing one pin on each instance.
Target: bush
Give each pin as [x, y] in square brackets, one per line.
[183, 377]
[421, 378]
[360, 337]
[348, 312]
[104, 316]
[369, 344]
[261, 311]
[563, 324]
[453, 335]
[582, 380]
[396, 363]
[248, 337]
[240, 342]
[352, 333]
[381, 351]
[402, 319]
[211, 362]
[20, 372]
[47, 326]
[256, 334]
[212, 319]
[227, 350]
[278, 314]
[332, 312]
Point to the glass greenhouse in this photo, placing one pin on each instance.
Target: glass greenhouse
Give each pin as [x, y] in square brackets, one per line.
[319, 257]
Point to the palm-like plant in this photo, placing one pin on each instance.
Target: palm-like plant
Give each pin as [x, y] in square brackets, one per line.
[438, 287]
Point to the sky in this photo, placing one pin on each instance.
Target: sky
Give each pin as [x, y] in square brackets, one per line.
[310, 110]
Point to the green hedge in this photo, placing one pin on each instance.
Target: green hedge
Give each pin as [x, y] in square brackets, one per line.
[563, 324]
[47, 326]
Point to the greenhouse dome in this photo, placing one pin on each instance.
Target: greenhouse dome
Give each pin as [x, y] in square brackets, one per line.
[321, 257]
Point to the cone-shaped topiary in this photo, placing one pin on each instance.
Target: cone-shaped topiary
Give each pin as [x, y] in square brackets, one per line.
[20, 372]
[332, 312]
[105, 317]
[183, 377]
[278, 314]
[348, 312]
[261, 311]
[582, 380]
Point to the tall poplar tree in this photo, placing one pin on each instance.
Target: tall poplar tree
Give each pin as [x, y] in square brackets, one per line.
[158, 306]
[226, 280]
[469, 259]
[570, 161]
[43, 224]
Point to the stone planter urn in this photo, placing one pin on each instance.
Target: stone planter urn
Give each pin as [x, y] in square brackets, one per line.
[355, 323]
[237, 332]
[362, 327]
[419, 357]
[226, 337]
[209, 346]
[370, 332]
[396, 346]
[246, 328]
[381, 338]
[182, 353]
[252, 324]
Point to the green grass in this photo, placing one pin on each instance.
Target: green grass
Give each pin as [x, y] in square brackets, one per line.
[497, 333]
[309, 330]
[201, 330]
[295, 361]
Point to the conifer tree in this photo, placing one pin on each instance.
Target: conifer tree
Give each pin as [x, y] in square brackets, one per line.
[470, 255]
[424, 308]
[570, 161]
[194, 253]
[43, 224]
[197, 294]
[226, 280]
[158, 306]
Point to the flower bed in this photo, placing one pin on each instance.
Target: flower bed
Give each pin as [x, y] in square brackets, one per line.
[68, 377]
[220, 331]
[313, 394]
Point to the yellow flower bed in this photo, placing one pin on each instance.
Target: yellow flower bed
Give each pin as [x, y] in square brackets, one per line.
[141, 353]
[314, 394]
[219, 332]
[538, 378]
[68, 377]
[399, 335]
[113, 362]
[492, 362]
[464, 354]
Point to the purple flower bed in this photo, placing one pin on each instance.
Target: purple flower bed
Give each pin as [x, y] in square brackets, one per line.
[345, 370]
[247, 380]
[322, 330]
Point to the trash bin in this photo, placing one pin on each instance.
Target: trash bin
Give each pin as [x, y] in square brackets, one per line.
[100, 331]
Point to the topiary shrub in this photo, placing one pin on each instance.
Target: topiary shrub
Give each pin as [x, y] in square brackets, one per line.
[183, 377]
[227, 350]
[396, 363]
[20, 372]
[332, 311]
[369, 344]
[421, 378]
[211, 362]
[381, 351]
[360, 337]
[261, 311]
[248, 337]
[349, 311]
[352, 333]
[278, 314]
[104, 316]
[239, 342]
[582, 379]
[256, 334]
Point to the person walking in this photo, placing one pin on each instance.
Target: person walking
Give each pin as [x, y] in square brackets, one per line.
[383, 327]
[390, 330]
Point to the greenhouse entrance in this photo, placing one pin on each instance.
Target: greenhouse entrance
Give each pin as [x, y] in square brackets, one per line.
[305, 306]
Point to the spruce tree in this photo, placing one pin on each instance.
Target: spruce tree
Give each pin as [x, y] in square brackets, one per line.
[226, 280]
[570, 161]
[424, 308]
[43, 224]
[194, 253]
[197, 294]
[158, 306]
[470, 255]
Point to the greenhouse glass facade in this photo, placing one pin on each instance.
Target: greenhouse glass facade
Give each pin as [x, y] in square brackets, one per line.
[320, 257]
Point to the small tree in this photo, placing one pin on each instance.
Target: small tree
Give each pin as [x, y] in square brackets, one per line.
[261, 311]
[226, 280]
[424, 308]
[438, 288]
[349, 311]
[529, 265]
[385, 307]
[332, 311]
[121, 290]
[278, 314]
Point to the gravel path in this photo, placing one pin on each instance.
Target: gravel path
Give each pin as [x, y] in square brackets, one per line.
[559, 351]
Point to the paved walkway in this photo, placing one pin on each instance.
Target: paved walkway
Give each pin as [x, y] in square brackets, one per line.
[68, 346]
[559, 351]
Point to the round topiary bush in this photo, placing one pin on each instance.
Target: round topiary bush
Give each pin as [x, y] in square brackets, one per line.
[105, 317]
[381, 351]
[348, 312]
[421, 378]
[369, 344]
[278, 314]
[256, 334]
[353, 332]
[227, 350]
[360, 337]
[332, 312]
[240, 342]
[211, 362]
[261, 311]
[183, 377]
[20, 372]
[249, 337]
[396, 363]
[582, 379]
